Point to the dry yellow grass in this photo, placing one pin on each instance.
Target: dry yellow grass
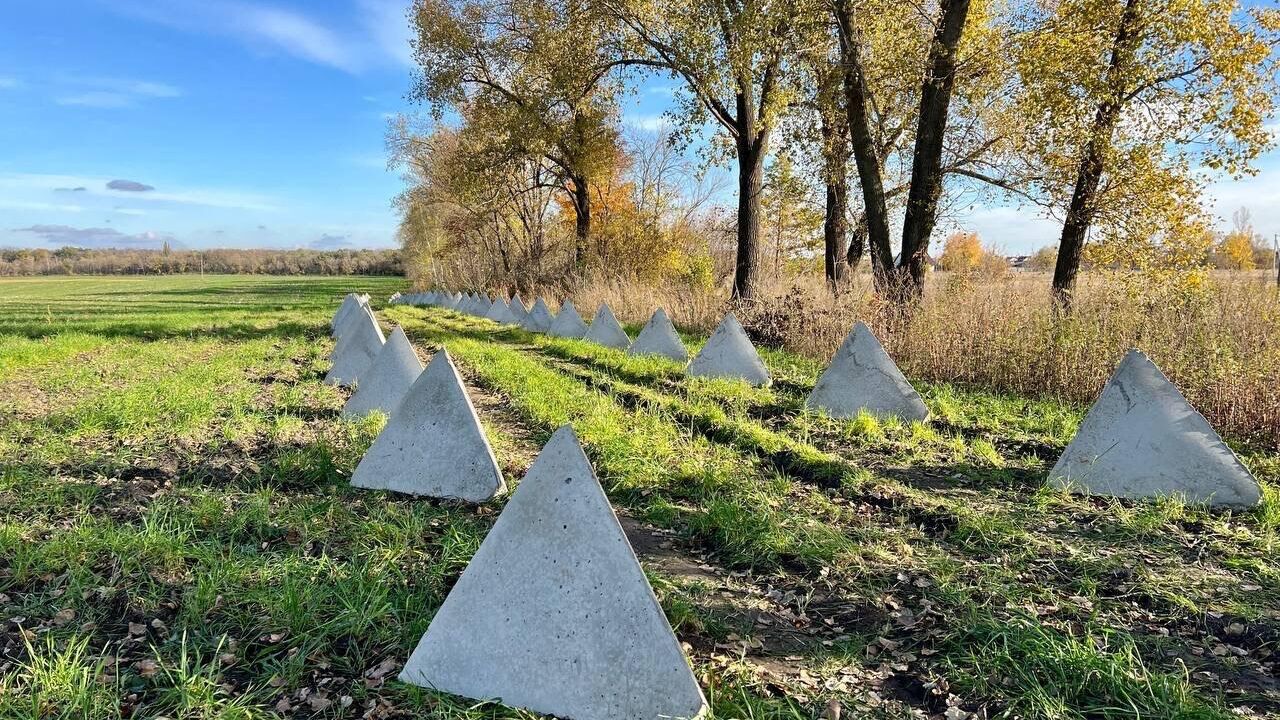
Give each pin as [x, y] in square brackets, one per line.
[1220, 345]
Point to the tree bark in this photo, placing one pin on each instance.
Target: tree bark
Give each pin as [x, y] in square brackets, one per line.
[581, 197]
[857, 243]
[1083, 207]
[835, 223]
[750, 186]
[926, 164]
[835, 228]
[865, 156]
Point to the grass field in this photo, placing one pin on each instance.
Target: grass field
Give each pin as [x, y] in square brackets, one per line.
[177, 537]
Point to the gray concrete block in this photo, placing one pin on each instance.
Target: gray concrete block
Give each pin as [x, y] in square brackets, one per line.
[349, 324]
[568, 324]
[659, 337]
[539, 318]
[355, 351]
[861, 377]
[554, 613]
[606, 330]
[385, 383]
[1142, 439]
[518, 309]
[500, 313]
[730, 354]
[433, 445]
[346, 310]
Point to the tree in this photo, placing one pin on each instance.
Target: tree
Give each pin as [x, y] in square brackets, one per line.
[903, 64]
[791, 220]
[1042, 260]
[537, 73]
[962, 252]
[1236, 249]
[1123, 99]
[734, 61]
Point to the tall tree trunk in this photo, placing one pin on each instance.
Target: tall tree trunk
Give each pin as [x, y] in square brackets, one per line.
[835, 223]
[1083, 207]
[926, 165]
[751, 152]
[865, 156]
[581, 195]
[835, 228]
[857, 243]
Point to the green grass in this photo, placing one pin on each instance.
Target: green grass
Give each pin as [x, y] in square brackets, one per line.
[177, 537]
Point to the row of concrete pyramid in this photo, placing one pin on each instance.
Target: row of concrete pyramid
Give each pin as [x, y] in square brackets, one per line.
[1140, 439]
[554, 607]
[555, 586]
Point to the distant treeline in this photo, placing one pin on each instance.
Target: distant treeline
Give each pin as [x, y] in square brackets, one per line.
[81, 261]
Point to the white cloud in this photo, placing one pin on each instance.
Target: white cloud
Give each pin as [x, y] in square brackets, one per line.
[295, 34]
[376, 32]
[8, 83]
[61, 235]
[99, 92]
[648, 123]
[232, 199]
[96, 100]
[35, 205]
[387, 23]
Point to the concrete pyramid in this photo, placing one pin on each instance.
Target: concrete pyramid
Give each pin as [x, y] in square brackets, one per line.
[347, 303]
[539, 318]
[554, 613]
[730, 354]
[1142, 439]
[433, 444]
[518, 309]
[348, 325]
[658, 337]
[346, 311]
[355, 351]
[568, 324]
[386, 381]
[500, 313]
[606, 330]
[862, 376]
[482, 306]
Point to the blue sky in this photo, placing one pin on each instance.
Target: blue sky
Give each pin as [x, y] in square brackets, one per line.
[239, 123]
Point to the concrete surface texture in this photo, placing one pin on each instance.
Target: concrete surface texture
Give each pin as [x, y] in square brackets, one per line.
[861, 377]
[554, 613]
[539, 318]
[500, 313]
[342, 318]
[730, 354]
[385, 383]
[355, 351]
[1142, 439]
[348, 303]
[348, 326]
[606, 330]
[481, 307]
[658, 337]
[433, 445]
[568, 323]
[518, 308]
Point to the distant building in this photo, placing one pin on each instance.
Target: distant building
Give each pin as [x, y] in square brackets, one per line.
[1018, 262]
